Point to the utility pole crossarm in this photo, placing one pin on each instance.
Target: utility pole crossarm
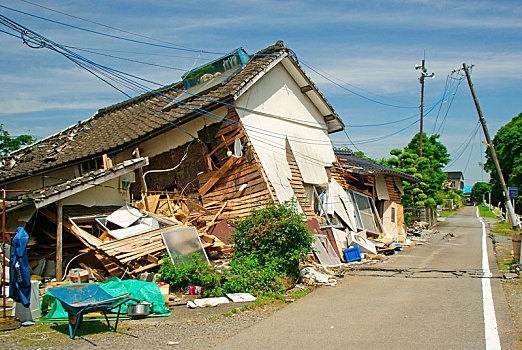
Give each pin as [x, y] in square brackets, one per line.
[509, 207]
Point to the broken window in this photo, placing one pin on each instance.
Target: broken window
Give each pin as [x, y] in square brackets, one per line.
[366, 213]
[90, 165]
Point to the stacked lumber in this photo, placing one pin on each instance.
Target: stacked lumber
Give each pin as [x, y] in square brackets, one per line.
[137, 253]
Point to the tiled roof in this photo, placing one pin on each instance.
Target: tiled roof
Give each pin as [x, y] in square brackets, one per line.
[94, 178]
[125, 124]
[454, 174]
[363, 166]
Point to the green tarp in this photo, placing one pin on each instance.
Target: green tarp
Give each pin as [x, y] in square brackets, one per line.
[143, 291]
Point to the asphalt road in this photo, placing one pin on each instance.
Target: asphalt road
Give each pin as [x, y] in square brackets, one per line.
[428, 297]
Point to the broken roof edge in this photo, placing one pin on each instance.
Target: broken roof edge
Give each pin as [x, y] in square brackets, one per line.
[77, 185]
[362, 164]
[287, 54]
[100, 112]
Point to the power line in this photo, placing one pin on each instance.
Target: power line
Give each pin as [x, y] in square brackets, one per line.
[356, 93]
[120, 78]
[110, 27]
[344, 82]
[130, 60]
[112, 36]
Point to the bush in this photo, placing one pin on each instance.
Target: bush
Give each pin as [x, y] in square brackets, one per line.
[247, 275]
[275, 236]
[269, 245]
[195, 273]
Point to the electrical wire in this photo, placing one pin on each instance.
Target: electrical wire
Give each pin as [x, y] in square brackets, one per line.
[356, 93]
[464, 145]
[108, 26]
[110, 35]
[74, 57]
[130, 60]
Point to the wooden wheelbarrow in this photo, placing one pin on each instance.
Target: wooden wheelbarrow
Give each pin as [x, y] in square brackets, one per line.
[81, 299]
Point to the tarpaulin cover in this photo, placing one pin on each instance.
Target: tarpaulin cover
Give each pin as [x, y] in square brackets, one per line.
[141, 290]
[19, 274]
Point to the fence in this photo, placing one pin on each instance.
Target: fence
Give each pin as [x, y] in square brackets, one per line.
[421, 213]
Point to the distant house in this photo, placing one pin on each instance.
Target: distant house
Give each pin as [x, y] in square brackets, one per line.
[377, 192]
[455, 180]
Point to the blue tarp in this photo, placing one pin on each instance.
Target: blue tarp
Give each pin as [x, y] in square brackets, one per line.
[143, 291]
[19, 273]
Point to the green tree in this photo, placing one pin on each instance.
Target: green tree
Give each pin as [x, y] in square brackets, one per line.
[478, 190]
[508, 146]
[9, 143]
[428, 168]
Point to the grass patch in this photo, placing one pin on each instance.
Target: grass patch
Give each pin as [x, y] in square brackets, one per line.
[445, 213]
[503, 228]
[504, 266]
[485, 212]
[299, 293]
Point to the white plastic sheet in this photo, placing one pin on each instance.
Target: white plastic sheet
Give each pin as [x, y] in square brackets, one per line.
[339, 202]
[380, 186]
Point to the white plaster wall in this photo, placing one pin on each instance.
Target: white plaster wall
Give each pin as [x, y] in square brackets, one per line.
[38, 182]
[174, 137]
[106, 194]
[277, 93]
[390, 228]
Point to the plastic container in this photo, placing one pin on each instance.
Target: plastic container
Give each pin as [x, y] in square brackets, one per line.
[352, 254]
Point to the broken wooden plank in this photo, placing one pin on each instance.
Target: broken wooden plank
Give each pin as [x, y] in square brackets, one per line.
[216, 175]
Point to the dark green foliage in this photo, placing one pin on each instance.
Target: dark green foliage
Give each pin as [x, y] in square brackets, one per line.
[8, 143]
[247, 275]
[508, 146]
[428, 168]
[269, 244]
[478, 190]
[195, 273]
[275, 236]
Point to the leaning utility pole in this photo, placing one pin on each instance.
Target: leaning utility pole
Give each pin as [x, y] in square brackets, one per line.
[509, 207]
[424, 74]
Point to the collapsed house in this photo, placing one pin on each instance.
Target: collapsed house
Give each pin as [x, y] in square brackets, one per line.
[232, 136]
[377, 192]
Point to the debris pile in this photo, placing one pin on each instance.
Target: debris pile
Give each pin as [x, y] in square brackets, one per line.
[100, 243]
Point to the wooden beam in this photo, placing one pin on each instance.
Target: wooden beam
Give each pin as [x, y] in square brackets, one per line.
[142, 181]
[217, 175]
[59, 240]
[306, 88]
[215, 217]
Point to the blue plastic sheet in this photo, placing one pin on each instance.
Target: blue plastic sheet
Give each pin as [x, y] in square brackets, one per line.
[141, 290]
[19, 273]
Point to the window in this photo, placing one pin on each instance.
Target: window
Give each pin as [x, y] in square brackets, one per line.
[366, 213]
[393, 214]
[90, 165]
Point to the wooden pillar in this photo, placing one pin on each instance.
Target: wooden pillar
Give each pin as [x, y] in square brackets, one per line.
[142, 182]
[59, 242]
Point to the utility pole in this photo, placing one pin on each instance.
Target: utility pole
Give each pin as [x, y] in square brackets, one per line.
[424, 74]
[509, 207]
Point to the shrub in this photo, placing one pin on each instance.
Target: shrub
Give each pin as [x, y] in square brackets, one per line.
[275, 236]
[247, 275]
[196, 273]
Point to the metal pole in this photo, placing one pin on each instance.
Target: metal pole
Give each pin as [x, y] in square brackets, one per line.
[505, 192]
[4, 301]
[421, 107]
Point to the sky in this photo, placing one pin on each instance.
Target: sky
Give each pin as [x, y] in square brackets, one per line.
[361, 55]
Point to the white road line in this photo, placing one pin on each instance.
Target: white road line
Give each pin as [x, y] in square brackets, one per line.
[490, 321]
